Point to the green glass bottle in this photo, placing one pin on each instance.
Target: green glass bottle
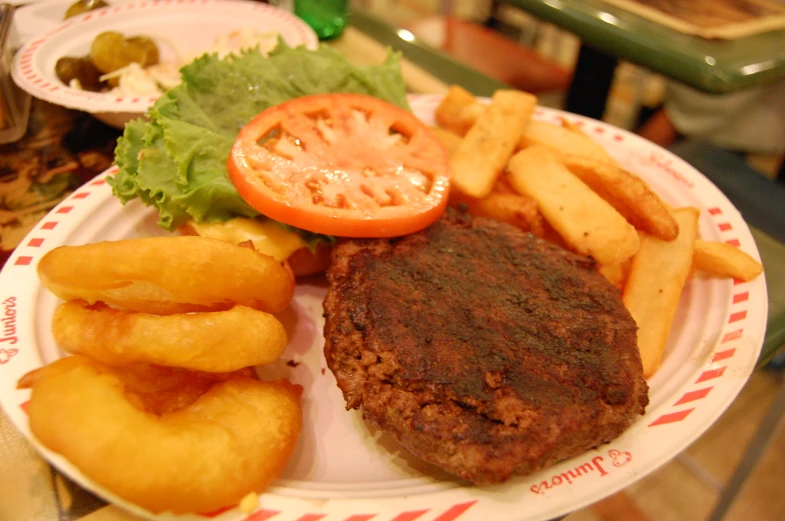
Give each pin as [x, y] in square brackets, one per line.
[327, 17]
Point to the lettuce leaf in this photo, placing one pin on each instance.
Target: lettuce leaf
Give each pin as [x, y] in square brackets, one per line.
[176, 161]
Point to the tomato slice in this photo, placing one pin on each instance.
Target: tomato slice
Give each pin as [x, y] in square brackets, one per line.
[348, 165]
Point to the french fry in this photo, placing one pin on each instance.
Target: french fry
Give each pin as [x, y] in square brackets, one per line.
[630, 195]
[564, 139]
[489, 143]
[616, 273]
[503, 185]
[724, 260]
[589, 160]
[572, 126]
[518, 210]
[458, 110]
[553, 236]
[627, 193]
[448, 139]
[653, 289]
[588, 224]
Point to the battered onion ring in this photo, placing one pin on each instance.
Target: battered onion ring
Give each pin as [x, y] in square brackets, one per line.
[214, 341]
[234, 439]
[165, 275]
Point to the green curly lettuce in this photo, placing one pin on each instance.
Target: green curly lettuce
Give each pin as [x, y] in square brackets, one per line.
[176, 160]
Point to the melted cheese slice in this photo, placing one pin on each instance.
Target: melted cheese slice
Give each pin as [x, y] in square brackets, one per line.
[267, 236]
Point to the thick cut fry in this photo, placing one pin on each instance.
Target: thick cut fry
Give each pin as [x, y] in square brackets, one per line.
[572, 126]
[588, 224]
[587, 159]
[449, 140]
[164, 275]
[486, 148]
[616, 273]
[657, 276]
[503, 185]
[458, 110]
[213, 342]
[564, 140]
[629, 194]
[724, 260]
[518, 210]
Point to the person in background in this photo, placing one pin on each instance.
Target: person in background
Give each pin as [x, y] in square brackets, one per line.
[751, 121]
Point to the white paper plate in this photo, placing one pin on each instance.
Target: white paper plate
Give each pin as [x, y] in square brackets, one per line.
[340, 471]
[181, 28]
[37, 17]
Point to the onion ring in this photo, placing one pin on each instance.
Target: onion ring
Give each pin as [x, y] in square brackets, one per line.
[215, 341]
[165, 275]
[234, 439]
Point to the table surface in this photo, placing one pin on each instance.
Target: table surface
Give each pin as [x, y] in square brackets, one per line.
[64, 139]
[713, 66]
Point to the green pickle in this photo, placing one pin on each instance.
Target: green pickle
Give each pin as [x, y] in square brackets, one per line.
[83, 6]
[111, 51]
[147, 46]
[80, 69]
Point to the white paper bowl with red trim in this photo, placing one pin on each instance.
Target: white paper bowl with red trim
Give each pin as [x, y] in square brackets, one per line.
[181, 28]
[342, 469]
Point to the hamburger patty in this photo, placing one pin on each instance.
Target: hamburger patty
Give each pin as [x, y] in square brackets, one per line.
[480, 348]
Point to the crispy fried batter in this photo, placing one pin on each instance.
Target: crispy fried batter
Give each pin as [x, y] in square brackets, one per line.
[213, 341]
[165, 275]
[166, 439]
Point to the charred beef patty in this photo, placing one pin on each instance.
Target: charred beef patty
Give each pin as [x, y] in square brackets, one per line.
[480, 348]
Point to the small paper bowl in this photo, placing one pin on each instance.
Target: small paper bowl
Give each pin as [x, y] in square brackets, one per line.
[181, 28]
